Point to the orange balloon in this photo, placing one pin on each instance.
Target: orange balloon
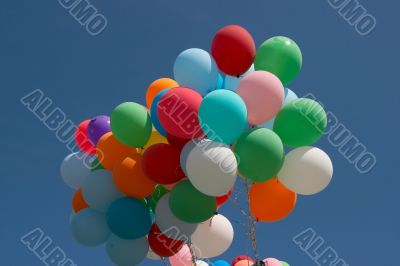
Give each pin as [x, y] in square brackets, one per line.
[78, 202]
[130, 179]
[271, 201]
[157, 86]
[110, 150]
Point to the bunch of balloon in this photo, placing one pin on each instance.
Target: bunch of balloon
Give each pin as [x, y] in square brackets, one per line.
[149, 181]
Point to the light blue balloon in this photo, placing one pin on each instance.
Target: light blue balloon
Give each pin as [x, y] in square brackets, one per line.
[196, 69]
[220, 263]
[223, 116]
[154, 115]
[123, 252]
[89, 227]
[232, 83]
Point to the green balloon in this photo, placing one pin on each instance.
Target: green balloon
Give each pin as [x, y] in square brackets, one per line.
[190, 205]
[300, 123]
[260, 154]
[159, 191]
[280, 56]
[96, 165]
[284, 263]
[131, 124]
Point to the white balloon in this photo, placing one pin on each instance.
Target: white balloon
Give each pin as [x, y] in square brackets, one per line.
[201, 263]
[75, 167]
[99, 190]
[213, 237]
[212, 168]
[306, 170]
[189, 146]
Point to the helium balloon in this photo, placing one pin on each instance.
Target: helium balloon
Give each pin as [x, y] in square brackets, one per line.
[124, 252]
[223, 116]
[182, 258]
[233, 49]
[307, 170]
[152, 256]
[96, 165]
[89, 227]
[220, 263]
[257, 89]
[178, 112]
[78, 202]
[74, 168]
[99, 190]
[160, 163]
[131, 124]
[196, 69]
[110, 150]
[201, 263]
[244, 263]
[155, 138]
[280, 56]
[222, 199]
[154, 115]
[190, 205]
[232, 82]
[97, 127]
[242, 257]
[260, 153]
[156, 87]
[213, 237]
[300, 123]
[177, 143]
[220, 84]
[129, 218]
[159, 191]
[130, 179]
[212, 168]
[171, 186]
[284, 263]
[185, 153]
[271, 201]
[163, 245]
[272, 262]
[82, 139]
[169, 224]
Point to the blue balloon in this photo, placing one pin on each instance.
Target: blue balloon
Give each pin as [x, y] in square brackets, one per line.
[127, 252]
[89, 227]
[129, 218]
[196, 69]
[223, 116]
[232, 83]
[154, 115]
[221, 263]
[220, 84]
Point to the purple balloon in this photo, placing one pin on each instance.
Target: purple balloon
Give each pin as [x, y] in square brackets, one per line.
[97, 127]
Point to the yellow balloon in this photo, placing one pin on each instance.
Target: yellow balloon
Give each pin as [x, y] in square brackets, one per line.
[155, 138]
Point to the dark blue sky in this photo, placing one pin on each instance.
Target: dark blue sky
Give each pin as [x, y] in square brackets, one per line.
[43, 47]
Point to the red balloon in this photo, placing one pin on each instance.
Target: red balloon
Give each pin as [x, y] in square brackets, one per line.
[178, 112]
[82, 139]
[241, 257]
[233, 49]
[222, 199]
[178, 143]
[161, 163]
[162, 245]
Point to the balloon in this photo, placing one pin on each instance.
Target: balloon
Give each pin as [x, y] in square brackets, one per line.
[185, 153]
[97, 127]
[89, 227]
[78, 202]
[160, 163]
[99, 190]
[232, 82]
[271, 201]
[82, 139]
[212, 168]
[110, 150]
[178, 112]
[155, 138]
[300, 123]
[156, 87]
[126, 252]
[130, 179]
[257, 89]
[152, 256]
[129, 218]
[96, 165]
[190, 205]
[233, 49]
[307, 170]
[182, 258]
[163, 245]
[280, 56]
[260, 154]
[154, 115]
[159, 191]
[223, 116]
[169, 224]
[74, 168]
[222, 199]
[242, 257]
[284, 263]
[220, 84]
[201, 263]
[213, 237]
[131, 124]
[272, 262]
[220, 263]
[177, 143]
[196, 69]
[244, 263]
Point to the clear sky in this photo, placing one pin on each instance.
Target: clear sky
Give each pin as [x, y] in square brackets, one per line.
[43, 47]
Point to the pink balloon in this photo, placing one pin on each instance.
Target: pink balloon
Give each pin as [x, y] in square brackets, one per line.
[263, 94]
[272, 262]
[182, 258]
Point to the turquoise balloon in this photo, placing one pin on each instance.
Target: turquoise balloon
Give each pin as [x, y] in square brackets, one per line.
[129, 218]
[220, 263]
[223, 116]
[220, 84]
[196, 69]
[154, 115]
[232, 83]
[127, 252]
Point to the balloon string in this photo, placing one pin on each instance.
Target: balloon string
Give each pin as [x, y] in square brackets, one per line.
[252, 223]
[192, 253]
